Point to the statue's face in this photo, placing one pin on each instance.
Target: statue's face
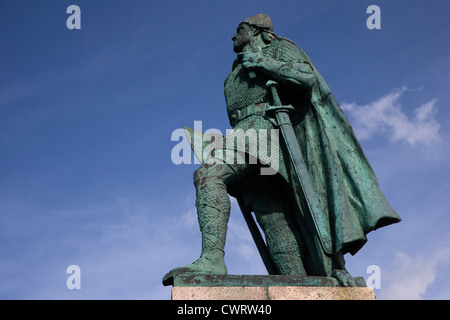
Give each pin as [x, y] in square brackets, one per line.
[243, 36]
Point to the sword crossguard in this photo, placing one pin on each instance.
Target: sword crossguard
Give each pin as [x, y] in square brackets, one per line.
[277, 105]
[276, 109]
[272, 85]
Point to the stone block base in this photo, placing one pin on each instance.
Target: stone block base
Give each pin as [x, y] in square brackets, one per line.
[273, 293]
[193, 286]
[219, 293]
[320, 293]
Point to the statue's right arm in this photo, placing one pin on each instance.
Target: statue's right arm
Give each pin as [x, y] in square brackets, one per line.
[294, 73]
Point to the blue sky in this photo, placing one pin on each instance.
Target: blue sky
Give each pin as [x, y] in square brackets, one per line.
[86, 117]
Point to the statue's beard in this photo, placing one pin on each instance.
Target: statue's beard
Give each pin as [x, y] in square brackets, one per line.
[238, 48]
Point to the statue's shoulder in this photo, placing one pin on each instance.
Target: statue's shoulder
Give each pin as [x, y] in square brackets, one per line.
[282, 41]
[288, 49]
[284, 44]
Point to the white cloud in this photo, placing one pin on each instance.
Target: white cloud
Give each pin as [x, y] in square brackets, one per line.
[413, 275]
[387, 116]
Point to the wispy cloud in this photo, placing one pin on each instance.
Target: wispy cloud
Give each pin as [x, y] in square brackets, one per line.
[123, 249]
[413, 275]
[386, 116]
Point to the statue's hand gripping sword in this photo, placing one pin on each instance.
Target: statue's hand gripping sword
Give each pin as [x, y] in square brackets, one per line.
[283, 121]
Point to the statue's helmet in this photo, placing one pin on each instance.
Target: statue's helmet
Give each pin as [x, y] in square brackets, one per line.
[260, 21]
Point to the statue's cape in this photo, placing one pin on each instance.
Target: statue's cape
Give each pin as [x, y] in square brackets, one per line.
[345, 183]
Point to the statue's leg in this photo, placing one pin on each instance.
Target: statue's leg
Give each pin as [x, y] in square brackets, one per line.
[213, 210]
[282, 236]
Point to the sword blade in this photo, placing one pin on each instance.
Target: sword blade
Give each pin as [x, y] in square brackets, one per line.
[301, 170]
[302, 173]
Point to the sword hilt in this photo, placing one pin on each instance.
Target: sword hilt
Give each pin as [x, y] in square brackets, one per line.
[278, 108]
[272, 85]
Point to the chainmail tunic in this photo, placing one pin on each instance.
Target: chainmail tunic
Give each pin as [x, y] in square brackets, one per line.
[241, 91]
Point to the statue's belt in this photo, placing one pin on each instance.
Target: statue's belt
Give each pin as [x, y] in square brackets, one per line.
[258, 109]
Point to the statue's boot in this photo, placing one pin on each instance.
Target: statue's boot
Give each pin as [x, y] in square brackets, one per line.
[341, 274]
[284, 248]
[282, 238]
[213, 209]
[345, 279]
[212, 256]
[287, 259]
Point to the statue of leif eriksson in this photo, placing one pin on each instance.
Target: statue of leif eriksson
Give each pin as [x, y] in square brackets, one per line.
[321, 198]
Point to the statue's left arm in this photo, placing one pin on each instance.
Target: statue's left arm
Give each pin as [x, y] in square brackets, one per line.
[296, 72]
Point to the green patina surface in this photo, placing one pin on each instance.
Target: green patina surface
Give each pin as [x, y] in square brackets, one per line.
[324, 198]
[214, 280]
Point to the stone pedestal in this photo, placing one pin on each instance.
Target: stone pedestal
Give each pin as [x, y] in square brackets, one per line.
[246, 287]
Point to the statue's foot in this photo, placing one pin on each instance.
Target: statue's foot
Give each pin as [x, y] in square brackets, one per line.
[346, 280]
[201, 265]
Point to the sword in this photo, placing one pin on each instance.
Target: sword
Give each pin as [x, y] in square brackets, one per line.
[307, 189]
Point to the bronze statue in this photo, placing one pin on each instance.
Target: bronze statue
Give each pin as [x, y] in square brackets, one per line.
[324, 197]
